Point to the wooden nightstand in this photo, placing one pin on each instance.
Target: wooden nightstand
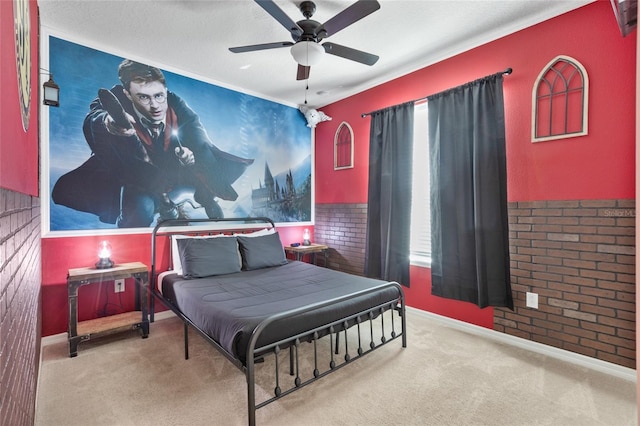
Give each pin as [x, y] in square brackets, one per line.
[311, 250]
[86, 330]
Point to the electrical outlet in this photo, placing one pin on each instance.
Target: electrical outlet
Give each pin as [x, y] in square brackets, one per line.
[119, 286]
[532, 300]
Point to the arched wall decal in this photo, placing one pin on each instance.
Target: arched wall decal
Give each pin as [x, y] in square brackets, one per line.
[343, 147]
[560, 101]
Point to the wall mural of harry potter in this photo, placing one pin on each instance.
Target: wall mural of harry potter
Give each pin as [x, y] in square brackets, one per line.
[132, 144]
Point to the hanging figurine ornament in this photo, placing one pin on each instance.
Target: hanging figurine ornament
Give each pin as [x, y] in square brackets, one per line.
[313, 116]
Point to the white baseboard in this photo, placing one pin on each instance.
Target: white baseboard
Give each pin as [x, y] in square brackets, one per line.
[562, 354]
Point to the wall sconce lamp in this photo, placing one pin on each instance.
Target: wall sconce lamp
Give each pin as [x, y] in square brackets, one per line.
[104, 255]
[51, 91]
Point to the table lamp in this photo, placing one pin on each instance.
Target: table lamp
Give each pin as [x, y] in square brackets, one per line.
[104, 254]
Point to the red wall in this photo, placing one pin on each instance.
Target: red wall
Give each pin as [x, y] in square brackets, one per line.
[600, 165]
[18, 149]
[60, 254]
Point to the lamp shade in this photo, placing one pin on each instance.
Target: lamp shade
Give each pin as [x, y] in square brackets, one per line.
[104, 256]
[307, 53]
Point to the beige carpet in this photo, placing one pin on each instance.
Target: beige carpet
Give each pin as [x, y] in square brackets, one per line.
[444, 377]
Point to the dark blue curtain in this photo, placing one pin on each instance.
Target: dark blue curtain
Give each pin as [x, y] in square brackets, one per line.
[389, 205]
[469, 223]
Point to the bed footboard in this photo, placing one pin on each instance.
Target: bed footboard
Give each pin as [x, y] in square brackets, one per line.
[360, 334]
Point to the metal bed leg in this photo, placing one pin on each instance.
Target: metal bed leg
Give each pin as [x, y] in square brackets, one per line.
[404, 323]
[291, 372]
[152, 308]
[186, 341]
[251, 392]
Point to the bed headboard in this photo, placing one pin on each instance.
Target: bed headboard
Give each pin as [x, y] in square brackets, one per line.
[166, 228]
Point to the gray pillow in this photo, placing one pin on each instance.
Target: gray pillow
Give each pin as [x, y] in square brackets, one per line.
[204, 257]
[261, 252]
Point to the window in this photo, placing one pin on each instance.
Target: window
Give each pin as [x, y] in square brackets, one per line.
[420, 253]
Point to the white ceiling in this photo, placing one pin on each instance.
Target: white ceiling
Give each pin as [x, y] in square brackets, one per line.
[194, 37]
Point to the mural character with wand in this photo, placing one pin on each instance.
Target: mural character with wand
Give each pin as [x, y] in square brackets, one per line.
[145, 142]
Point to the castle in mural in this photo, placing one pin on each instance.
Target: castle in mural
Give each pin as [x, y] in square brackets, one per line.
[280, 199]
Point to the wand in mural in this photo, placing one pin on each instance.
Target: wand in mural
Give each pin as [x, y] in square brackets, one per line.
[112, 105]
[180, 149]
[114, 108]
[185, 155]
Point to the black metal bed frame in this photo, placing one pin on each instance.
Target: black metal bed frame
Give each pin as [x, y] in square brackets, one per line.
[256, 354]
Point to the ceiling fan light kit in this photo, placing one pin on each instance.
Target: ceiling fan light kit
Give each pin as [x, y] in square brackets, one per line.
[307, 34]
[307, 53]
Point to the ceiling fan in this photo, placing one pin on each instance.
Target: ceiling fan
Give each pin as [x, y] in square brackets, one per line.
[307, 34]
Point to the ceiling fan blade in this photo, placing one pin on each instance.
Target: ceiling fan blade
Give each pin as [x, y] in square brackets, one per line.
[272, 9]
[351, 14]
[349, 53]
[263, 46]
[303, 72]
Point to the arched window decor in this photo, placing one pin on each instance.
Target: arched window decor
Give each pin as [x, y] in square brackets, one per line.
[343, 147]
[560, 101]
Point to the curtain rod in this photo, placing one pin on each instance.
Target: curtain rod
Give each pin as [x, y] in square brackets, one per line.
[364, 114]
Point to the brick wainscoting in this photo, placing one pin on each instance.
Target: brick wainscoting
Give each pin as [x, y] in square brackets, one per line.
[20, 278]
[579, 257]
[343, 227]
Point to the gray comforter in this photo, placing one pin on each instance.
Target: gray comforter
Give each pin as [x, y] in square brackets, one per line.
[229, 307]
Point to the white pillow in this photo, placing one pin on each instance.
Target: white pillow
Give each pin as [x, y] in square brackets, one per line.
[260, 233]
[175, 254]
